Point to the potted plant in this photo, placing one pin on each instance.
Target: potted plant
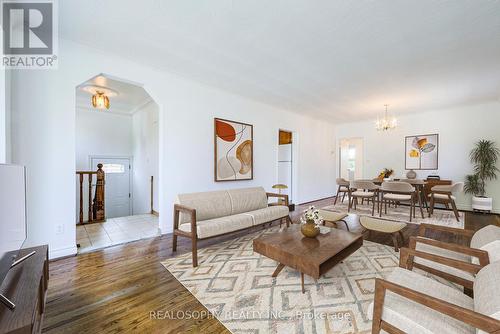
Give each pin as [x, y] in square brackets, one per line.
[484, 157]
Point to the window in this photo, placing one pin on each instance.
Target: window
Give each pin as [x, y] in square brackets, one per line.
[113, 168]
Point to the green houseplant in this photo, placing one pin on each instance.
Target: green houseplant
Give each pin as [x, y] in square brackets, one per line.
[484, 157]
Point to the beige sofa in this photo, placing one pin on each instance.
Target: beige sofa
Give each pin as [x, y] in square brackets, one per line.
[209, 214]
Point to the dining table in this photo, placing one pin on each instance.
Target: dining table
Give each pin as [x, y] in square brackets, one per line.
[419, 185]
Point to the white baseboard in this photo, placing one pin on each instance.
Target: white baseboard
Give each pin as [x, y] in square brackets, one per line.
[62, 252]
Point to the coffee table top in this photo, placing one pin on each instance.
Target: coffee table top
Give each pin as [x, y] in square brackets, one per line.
[309, 255]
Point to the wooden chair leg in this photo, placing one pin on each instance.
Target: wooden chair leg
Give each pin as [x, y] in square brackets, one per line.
[343, 197]
[411, 209]
[431, 208]
[174, 243]
[337, 196]
[194, 250]
[455, 210]
[373, 207]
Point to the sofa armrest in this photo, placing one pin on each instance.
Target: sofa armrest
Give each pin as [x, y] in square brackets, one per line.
[464, 315]
[480, 254]
[178, 208]
[284, 196]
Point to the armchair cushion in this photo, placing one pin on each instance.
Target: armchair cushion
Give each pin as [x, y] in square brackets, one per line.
[445, 253]
[415, 318]
[487, 292]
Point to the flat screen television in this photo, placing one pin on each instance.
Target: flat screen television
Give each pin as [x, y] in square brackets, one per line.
[13, 230]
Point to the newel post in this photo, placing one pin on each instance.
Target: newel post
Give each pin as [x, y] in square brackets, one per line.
[99, 205]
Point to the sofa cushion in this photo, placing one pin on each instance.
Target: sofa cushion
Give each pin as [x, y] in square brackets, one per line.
[415, 318]
[208, 205]
[247, 199]
[217, 226]
[441, 267]
[268, 214]
[487, 292]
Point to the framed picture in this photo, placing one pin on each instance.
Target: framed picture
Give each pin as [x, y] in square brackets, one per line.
[233, 159]
[421, 152]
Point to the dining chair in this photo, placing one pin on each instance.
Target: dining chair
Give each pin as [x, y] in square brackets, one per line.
[365, 190]
[393, 191]
[342, 189]
[419, 186]
[444, 194]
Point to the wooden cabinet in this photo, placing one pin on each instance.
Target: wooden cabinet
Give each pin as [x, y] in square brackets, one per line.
[26, 286]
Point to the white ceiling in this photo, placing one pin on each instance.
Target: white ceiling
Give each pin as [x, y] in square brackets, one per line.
[335, 59]
[130, 96]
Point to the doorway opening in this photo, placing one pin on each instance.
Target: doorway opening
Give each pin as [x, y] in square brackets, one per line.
[351, 158]
[117, 163]
[285, 164]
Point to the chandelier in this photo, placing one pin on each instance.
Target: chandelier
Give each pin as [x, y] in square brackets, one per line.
[386, 123]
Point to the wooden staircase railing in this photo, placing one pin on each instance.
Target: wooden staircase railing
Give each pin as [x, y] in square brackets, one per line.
[96, 205]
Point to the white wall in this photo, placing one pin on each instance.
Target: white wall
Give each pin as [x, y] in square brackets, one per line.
[101, 133]
[145, 133]
[4, 116]
[43, 139]
[458, 128]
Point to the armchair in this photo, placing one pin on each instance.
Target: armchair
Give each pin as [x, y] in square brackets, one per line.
[456, 263]
[410, 303]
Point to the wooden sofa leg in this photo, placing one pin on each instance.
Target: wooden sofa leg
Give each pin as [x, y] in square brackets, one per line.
[174, 243]
[194, 251]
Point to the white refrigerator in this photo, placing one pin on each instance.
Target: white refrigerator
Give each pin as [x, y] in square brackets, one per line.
[285, 168]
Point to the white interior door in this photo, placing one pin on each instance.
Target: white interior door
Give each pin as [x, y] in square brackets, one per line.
[117, 189]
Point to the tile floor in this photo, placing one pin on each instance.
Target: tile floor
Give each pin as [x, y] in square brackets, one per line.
[115, 231]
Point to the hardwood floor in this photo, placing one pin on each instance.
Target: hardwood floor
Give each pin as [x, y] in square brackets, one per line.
[114, 290]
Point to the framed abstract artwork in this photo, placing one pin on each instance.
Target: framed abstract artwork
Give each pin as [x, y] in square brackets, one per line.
[421, 152]
[233, 160]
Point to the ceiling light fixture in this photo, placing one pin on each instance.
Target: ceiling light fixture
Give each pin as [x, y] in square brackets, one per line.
[100, 100]
[386, 123]
[100, 95]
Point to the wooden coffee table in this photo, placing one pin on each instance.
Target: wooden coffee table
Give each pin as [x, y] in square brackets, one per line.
[312, 257]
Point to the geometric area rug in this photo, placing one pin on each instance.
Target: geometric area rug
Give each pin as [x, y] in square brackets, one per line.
[236, 286]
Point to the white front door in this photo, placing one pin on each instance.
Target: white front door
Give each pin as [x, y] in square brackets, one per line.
[117, 188]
